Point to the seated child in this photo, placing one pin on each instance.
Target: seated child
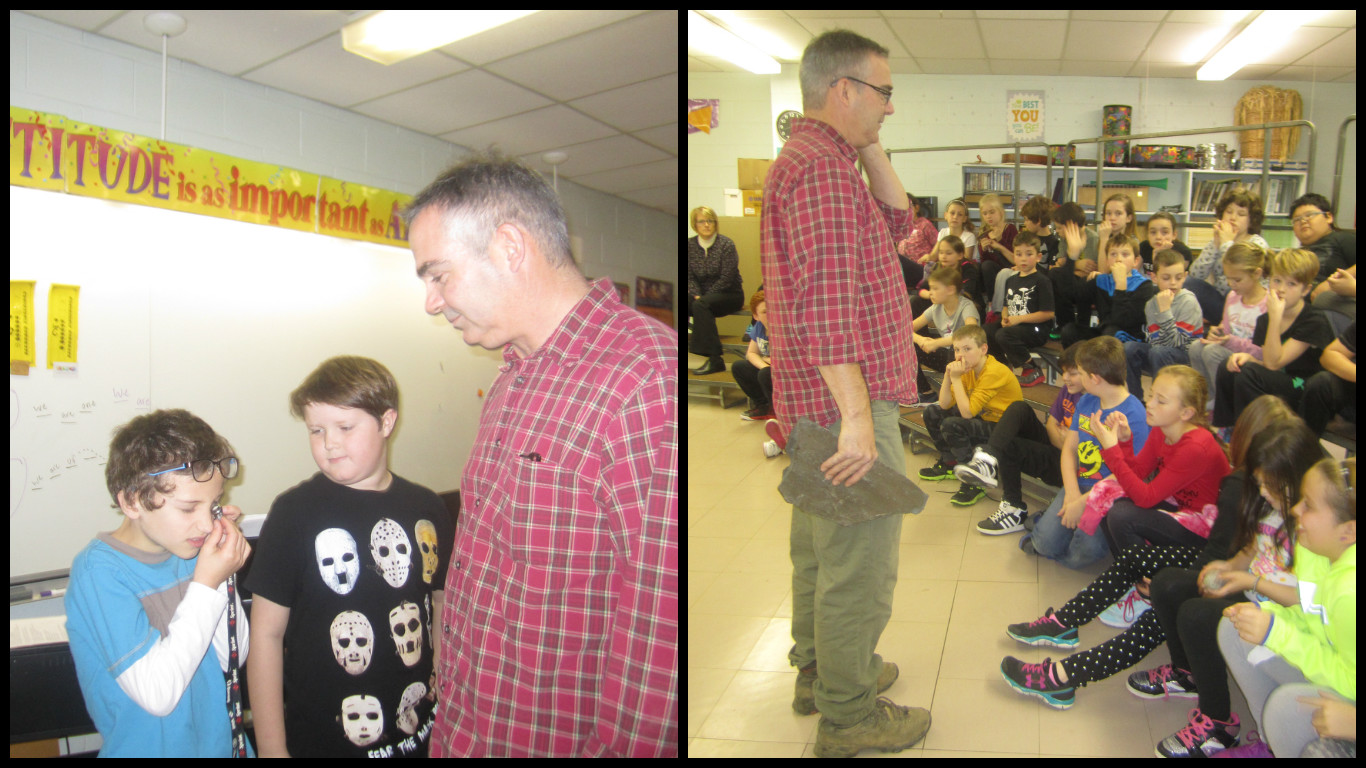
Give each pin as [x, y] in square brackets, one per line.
[148, 600]
[351, 570]
[1259, 568]
[1334, 388]
[1019, 443]
[1056, 681]
[1056, 535]
[1173, 323]
[1245, 267]
[1035, 213]
[996, 243]
[975, 393]
[949, 253]
[1292, 335]
[1314, 640]
[1119, 296]
[948, 311]
[754, 374]
[1027, 316]
[1186, 466]
[1076, 261]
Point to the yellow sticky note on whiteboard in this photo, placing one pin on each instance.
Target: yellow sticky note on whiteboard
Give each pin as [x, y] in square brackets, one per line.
[63, 316]
[21, 341]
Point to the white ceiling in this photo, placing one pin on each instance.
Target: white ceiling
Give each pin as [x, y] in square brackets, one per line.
[1093, 43]
[601, 86]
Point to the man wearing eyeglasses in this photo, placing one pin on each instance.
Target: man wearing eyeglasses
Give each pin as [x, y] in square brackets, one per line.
[842, 331]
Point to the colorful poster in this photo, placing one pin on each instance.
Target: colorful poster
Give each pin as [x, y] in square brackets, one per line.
[1024, 116]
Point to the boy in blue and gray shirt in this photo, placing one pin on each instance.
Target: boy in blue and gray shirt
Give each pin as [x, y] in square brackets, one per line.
[1172, 321]
[147, 607]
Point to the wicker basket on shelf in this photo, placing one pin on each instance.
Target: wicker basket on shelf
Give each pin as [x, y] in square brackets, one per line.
[1269, 104]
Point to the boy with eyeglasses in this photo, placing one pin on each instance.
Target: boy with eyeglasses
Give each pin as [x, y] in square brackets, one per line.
[146, 602]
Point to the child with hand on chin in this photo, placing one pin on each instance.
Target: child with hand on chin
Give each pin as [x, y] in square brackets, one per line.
[147, 601]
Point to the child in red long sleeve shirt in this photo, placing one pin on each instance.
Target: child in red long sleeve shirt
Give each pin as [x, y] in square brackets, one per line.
[1189, 460]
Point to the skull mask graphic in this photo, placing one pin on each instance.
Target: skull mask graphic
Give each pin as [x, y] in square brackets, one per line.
[338, 559]
[406, 628]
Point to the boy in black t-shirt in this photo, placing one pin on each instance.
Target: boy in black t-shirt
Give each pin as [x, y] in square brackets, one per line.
[347, 581]
[1027, 316]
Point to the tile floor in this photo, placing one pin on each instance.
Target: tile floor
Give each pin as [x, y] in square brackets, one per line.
[956, 591]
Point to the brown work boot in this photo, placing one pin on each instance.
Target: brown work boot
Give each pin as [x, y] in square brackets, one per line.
[804, 702]
[889, 727]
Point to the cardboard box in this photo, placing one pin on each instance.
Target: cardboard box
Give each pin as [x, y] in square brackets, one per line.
[752, 201]
[1087, 195]
[752, 173]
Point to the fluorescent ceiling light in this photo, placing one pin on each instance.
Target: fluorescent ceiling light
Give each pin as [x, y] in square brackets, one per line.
[1264, 36]
[389, 37]
[1202, 45]
[711, 39]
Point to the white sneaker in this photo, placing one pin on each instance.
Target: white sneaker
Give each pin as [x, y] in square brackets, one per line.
[980, 471]
[1007, 518]
[771, 448]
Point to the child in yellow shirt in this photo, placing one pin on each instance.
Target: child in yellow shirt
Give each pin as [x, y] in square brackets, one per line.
[976, 391]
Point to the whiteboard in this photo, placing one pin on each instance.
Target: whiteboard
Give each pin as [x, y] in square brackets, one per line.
[224, 319]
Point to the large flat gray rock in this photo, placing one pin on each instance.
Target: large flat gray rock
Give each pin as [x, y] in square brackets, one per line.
[880, 493]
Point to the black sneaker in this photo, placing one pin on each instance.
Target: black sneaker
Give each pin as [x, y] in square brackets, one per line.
[1161, 683]
[967, 495]
[1203, 736]
[937, 472]
[980, 471]
[1007, 518]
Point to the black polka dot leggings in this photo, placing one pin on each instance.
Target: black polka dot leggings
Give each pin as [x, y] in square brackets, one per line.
[1126, 650]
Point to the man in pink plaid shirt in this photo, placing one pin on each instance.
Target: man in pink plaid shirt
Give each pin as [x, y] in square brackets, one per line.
[842, 357]
[559, 632]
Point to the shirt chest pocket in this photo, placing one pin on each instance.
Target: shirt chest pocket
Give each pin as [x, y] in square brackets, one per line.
[554, 520]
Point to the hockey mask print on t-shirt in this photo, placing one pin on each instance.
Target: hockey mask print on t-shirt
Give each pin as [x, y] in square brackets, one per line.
[426, 543]
[392, 551]
[362, 719]
[338, 559]
[353, 641]
[405, 626]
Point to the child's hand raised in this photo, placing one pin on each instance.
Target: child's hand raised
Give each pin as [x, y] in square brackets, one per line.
[1120, 424]
[1105, 435]
[225, 551]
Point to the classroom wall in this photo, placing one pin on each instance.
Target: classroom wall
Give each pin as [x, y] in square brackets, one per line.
[109, 83]
[944, 110]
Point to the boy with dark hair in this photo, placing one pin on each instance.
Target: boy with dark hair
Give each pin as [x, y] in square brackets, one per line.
[146, 601]
[1021, 444]
[1119, 297]
[1027, 316]
[1056, 535]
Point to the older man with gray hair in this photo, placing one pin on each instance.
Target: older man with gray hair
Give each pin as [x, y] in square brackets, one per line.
[842, 330]
[559, 633]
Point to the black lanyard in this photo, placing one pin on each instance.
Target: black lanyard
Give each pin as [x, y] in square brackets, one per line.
[234, 686]
[239, 734]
